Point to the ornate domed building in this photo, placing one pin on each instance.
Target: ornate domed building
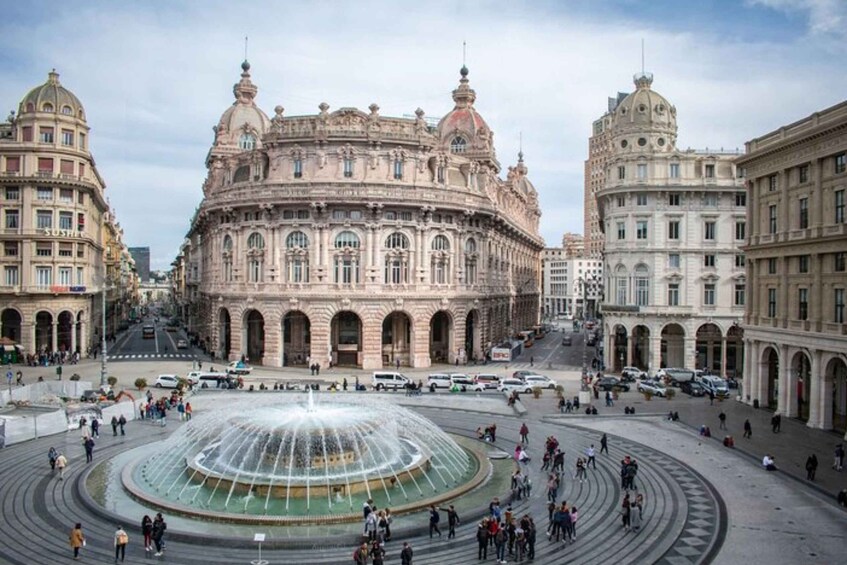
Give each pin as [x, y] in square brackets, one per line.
[360, 239]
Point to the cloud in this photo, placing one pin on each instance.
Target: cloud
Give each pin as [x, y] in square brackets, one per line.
[824, 16]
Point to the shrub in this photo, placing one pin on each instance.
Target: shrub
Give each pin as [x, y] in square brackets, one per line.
[560, 391]
[670, 393]
[536, 392]
[140, 383]
[75, 377]
[112, 381]
[181, 384]
[647, 395]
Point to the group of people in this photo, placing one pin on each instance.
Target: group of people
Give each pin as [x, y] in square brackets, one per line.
[377, 530]
[152, 530]
[503, 531]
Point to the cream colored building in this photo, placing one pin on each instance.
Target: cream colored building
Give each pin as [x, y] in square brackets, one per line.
[360, 239]
[53, 210]
[674, 222]
[795, 331]
[568, 281]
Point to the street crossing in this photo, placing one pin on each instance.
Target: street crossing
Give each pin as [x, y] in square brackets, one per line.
[149, 356]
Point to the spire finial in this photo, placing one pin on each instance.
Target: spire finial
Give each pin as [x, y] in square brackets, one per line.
[464, 70]
[642, 55]
[245, 47]
[520, 147]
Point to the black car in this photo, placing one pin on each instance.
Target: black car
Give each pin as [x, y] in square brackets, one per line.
[608, 383]
[566, 340]
[692, 388]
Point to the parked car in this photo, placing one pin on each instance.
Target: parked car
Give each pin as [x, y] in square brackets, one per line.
[715, 385]
[510, 385]
[521, 374]
[657, 388]
[692, 388]
[539, 381]
[630, 374]
[464, 383]
[591, 340]
[167, 381]
[488, 381]
[608, 383]
[731, 382]
[181, 344]
[675, 377]
[566, 339]
[238, 368]
[388, 380]
[438, 380]
[193, 377]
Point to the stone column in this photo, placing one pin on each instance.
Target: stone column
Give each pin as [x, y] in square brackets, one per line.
[787, 385]
[54, 342]
[815, 394]
[237, 343]
[723, 357]
[655, 354]
[629, 348]
[83, 337]
[690, 353]
[816, 294]
[273, 342]
[73, 336]
[420, 343]
[320, 335]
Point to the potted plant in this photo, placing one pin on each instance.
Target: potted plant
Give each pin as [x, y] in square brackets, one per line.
[536, 392]
[670, 393]
[140, 383]
[647, 395]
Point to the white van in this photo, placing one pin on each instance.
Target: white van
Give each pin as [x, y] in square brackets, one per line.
[438, 380]
[715, 385]
[385, 380]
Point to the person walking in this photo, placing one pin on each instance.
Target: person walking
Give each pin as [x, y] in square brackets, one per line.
[95, 427]
[722, 418]
[61, 463]
[452, 522]
[811, 467]
[77, 539]
[52, 455]
[159, 527]
[147, 532]
[121, 424]
[114, 425]
[626, 511]
[748, 429]
[524, 433]
[500, 544]
[604, 445]
[434, 518]
[636, 513]
[711, 398]
[360, 556]
[482, 539]
[591, 461]
[838, 464]
[89, 449]
[121, 539]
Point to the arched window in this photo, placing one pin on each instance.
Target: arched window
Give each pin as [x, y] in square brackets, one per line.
[458, 145]
[398, 169]
[242, 174]
[246, 142]
[47, 107]
[227, 243]
[470, 245]
[348, 167]
[30, 107]
[226, 259]
[297, 239]
[642, 286]
[347, 239]
[255, 241]
[440, 243]
[397, 241]
[621, 285]
[470, 261]
[67, 110]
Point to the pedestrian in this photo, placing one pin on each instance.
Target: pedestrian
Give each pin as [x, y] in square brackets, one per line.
[147, 532]
[77, 539]
[121, 539]
[122, 423]
[838, 464]
[574, 517]
[530, 533]
[452, 522]
[386, 516]
[377, 553]
[531, 361]
[722, 418]
[748, 429]
[52, 455]
[773, 423]
[61, 463]
[360, 556]
[406, 554]
[591, 461]
[188, 411]
[344, 384]
[95, 427]
[89, 449]
[636, 513]
[159, 527]
[434, 518]
[711, 398]
[778, 423]
[604, 446]
[609, 398]
[811, 467]
[626, 511]
[580, 470]
[114, 425]
[482, 539]
[524, 433]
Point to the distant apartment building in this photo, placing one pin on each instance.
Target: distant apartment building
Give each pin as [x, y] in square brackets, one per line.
[142, 262]
[573, 244]
[565, 278]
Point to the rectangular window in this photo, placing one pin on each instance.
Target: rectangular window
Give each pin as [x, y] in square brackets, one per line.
[621, 230]
[43, 276]
[80, 222]
[804, 213]
[80, 250]
[66, 167]
[641, 229]
[66, 195]
[673, 260]
[840, 163]
[621, 173]
[741, 199]
[709, 231]
[771, 303]
[82, 141]
[42, 193]
[80, 276]
[10, 249]
[642, 171]
[641, 200]
[82, 174]
[13, 220]
[673, 199]
[674, 170]
[803, 304]
[803, 264]
[839, 306]
[254, 271]
[65, 276]
[66, 220]
[673, 229]
[642, 291]
[621, 201]
[10, 275]
[710, 171]
[773, 183]
[711, 200]
[740, 261]
[803, 173]
[12, 193]
[302, 214]
[709, 294]
[45, 135]
[43, 249]
[67, 137]
[44, 219]
[740, 294]
[839, 262]
[398, 169]
[348, 168]
[621, 290]
[709, 260]
[772, 266]
[405, 216]
[839, 206]
[772, 218]
[26, 132]
[673, 294]
[740, 230]
[66, 250]
[45, 165]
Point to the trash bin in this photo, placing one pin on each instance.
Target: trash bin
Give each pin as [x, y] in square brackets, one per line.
[756, 403]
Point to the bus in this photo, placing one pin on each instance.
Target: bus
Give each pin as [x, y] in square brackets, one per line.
[148, 332]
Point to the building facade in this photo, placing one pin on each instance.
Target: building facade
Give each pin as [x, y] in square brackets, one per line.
[569, 282]
[54, 211]
[794, 327]
[141, 255]
[573, 244]
[674, 222]
[358, 239]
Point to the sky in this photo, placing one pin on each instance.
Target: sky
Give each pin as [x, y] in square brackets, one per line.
[154, 78]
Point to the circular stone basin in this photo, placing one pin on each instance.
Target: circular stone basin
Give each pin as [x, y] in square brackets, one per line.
[302, 459]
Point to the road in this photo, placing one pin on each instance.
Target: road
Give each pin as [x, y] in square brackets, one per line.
[549, 352]
[131, 345]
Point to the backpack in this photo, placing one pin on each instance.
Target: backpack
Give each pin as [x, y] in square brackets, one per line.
[123, 539]
[435, 516]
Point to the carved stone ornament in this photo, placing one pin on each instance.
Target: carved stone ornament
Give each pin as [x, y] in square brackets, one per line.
[345, 303]
[294, 303]
[398, 303]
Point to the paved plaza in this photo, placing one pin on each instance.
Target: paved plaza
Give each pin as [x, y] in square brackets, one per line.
[705, 503]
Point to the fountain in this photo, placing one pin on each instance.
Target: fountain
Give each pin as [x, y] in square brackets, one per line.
[302, 459]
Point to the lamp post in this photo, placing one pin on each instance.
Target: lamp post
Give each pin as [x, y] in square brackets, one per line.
[583, 283]
[104, 352]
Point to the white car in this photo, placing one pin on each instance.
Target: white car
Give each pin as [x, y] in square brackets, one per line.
[438, 380]
[657, 388]
[539, 381]
[508, 385]
[464, 383]
[181, 344]
[167, 381]
[238, 368]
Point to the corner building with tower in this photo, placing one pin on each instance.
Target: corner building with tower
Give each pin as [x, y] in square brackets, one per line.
[360, 239]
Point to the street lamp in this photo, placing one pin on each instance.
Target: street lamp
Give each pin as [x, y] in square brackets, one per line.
[583, 283]
[105, 287]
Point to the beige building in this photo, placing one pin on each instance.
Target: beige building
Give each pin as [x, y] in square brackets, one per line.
[674, 222]
[360, 239]
[53, 213]
[795, 331]
[569, 281]
[573, 244]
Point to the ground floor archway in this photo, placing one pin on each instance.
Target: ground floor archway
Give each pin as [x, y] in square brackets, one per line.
[296, 339]
[799, 395]
[254, 336]
[473, 336]
[440, 337]
[641, 347]
[11, 322]
[769, 372]
[620, 341]
[734, 352]
[65, 330]
[397, 340]
[43, 332]
[224, 334]
[673, 346]
[835, 383]
[709, 348]
[346, 339]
